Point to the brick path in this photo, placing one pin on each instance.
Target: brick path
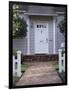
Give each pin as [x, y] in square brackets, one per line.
[39, 73]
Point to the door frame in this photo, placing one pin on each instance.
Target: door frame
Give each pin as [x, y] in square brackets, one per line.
[38, 21]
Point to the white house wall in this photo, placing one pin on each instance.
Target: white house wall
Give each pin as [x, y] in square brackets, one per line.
[59, 36]
[32, 33]
[51, 40]
[20, 44]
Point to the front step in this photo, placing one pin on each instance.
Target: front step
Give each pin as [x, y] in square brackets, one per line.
[40, 57]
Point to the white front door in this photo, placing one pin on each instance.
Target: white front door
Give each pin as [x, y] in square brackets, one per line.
[41, 37]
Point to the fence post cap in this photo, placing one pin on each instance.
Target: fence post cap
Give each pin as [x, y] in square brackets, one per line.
[62, 45]
[13, 56]
[19, 52]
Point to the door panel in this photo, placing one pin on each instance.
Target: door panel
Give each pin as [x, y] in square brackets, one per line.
[41, 37]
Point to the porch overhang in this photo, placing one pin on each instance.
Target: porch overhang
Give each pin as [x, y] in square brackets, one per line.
[39, 14]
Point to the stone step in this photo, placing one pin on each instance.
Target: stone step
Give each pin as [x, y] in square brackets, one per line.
[40, 57]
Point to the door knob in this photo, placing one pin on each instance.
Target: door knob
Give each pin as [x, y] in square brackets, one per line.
[46, 40]
[41, 40]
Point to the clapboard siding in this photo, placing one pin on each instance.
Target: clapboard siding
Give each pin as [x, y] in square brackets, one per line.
[51, 36]
[20, 44]
[59, 36]
[32, 32]
[41, 9]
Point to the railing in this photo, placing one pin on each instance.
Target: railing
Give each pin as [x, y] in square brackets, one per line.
[17, 64]
[62, 58]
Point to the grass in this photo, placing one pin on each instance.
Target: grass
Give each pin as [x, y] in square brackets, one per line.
[56, 66]
[15, 79]
[61, 75]
[23, 69]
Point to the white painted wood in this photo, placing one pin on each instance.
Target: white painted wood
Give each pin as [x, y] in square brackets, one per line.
[60, 13]
[62, 45]
[64, 63]
[41, 37]
[28, 35]
[13, 65]
[40, 14]
[17, 65]
[54, 41]
[61, 60]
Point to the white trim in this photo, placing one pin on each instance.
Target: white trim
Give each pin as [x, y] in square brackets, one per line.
[40, 14]
[38, 21]
[28, 35]
[24, 12]
[59, 12]
[34, 37]
[54, 47]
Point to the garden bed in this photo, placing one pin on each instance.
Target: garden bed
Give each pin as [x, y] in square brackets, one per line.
[23, 69]
[61, 75]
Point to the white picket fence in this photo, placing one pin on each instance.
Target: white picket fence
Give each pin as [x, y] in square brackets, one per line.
[62, 58]
[17, 64]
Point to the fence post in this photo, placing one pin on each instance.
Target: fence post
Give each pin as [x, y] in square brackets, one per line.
[62, 58]
[19, 63]
[60, 66]
[64, 63]
[13, 65]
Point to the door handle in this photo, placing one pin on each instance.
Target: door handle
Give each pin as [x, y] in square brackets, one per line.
[46, 40]
[41, 40]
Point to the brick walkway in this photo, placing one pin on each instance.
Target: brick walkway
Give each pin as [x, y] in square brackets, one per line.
[39, 73]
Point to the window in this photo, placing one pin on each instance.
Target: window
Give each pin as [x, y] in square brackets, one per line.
[41, 26]
[37, 26]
